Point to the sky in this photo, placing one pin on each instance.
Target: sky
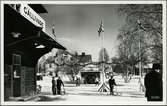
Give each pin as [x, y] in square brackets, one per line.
[76, 26]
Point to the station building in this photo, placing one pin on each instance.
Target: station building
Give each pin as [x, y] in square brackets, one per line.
[25, 41]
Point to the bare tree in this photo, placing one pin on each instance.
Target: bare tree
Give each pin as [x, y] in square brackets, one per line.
[103, 60]
[103, 55]
[141, 36]
[144, 22]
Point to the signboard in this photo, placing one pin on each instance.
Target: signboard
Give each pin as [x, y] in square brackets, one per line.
[32, 16]
[16, 59]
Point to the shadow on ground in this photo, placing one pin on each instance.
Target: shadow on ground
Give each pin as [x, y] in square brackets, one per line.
[47, 98]
[120, 94]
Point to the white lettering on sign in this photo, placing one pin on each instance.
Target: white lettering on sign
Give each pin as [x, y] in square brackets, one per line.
[32, 16]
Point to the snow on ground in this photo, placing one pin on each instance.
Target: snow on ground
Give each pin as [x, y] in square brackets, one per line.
[128, 93]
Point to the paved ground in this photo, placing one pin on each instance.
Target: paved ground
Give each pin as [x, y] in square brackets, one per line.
[88, 94]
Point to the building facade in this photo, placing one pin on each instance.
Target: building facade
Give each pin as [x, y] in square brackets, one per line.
[25, 41]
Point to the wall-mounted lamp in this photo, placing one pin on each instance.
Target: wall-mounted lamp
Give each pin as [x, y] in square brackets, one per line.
[40, 46]
[16, 34]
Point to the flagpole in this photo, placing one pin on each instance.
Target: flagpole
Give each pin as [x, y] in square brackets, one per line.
[102, 39]
[103, 86]
[101, 36]
[102, 78]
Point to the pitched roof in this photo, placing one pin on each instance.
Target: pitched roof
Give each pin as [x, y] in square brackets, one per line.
[85, 58]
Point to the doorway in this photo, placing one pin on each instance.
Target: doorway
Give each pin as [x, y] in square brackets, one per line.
[89, 77]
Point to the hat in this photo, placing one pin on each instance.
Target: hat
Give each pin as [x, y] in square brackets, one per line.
[157, 66]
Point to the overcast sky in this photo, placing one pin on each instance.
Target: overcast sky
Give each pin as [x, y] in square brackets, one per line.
[76, 26]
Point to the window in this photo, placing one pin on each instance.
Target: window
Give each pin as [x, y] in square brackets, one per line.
[16, 59]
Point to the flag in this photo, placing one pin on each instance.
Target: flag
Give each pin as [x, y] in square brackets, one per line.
[101, 28]
[53, 30]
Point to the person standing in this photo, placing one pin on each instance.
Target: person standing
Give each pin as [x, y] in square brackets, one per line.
[59, 84]
[77, 80]
[97, 81]
[111, 84]
[84, 80]
[153, 84]
[53, 86]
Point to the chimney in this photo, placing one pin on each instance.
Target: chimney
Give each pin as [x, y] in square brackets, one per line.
[83, 53]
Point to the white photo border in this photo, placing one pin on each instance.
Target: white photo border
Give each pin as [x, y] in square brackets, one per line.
[76, 3]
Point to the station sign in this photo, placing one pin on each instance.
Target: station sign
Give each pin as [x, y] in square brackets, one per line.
[32, 16]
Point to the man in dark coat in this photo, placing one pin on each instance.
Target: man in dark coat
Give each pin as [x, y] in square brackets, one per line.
[153, 84]
[53, 86]
[59, 84]
[111, 84]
